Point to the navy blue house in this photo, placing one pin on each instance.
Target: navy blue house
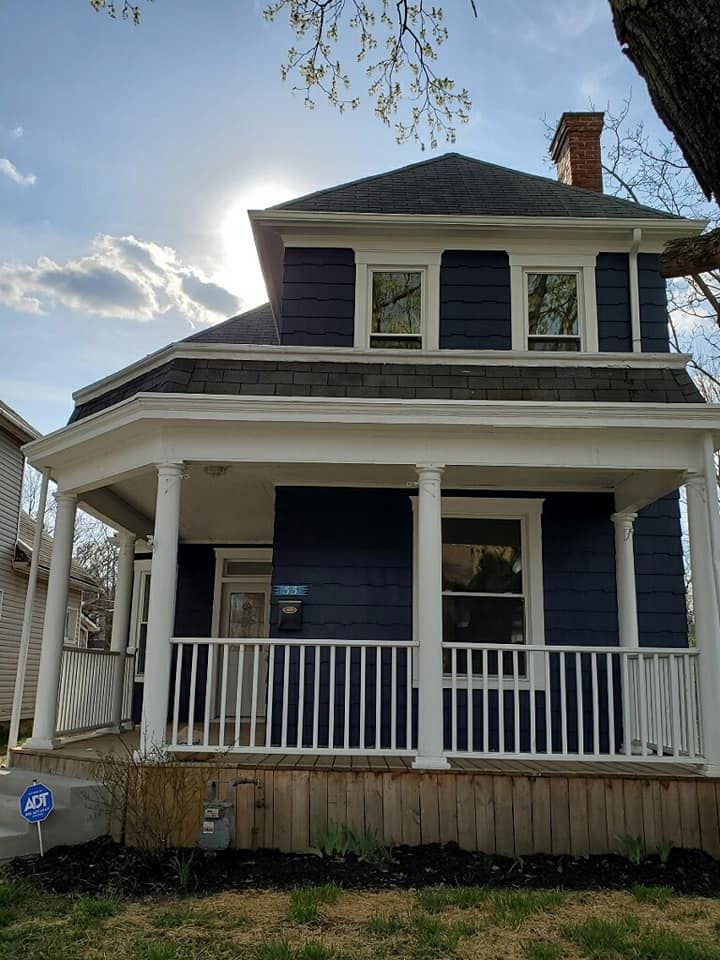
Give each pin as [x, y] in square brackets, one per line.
[425, 502]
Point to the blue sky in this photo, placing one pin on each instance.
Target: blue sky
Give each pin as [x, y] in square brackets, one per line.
[128, 156]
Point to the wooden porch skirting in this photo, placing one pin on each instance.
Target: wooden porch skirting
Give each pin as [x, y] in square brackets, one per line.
[511, 808]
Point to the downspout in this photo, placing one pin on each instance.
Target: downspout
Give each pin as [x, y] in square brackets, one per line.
[27, 618]
[635, 290]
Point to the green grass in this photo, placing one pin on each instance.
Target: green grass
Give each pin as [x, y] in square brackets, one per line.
[7, 916]
[602, 938]
[657, 895]
[543, 951]
[304, 902]
[281, 950]
[434, 937]
[181, 916]
[90, 910]
[505, 907]
[385, 926]
[157, 950]
[608, 940]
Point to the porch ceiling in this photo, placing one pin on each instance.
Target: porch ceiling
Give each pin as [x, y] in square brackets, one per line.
[234, 502]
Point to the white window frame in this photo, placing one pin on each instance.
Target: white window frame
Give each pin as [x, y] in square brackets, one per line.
[74, 640]
[142, 568]
[427, 263]
[583, 267]
[529, 512]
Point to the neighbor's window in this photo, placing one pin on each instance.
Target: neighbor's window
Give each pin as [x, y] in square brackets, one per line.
[553, 321]
[396, 309]
[72, 625]
[483, 589]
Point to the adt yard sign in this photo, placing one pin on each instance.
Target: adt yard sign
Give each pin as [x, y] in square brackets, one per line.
[36, 803]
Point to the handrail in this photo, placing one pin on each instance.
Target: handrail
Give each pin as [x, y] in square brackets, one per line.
[74, 648]
[566, 648]
[292, 641]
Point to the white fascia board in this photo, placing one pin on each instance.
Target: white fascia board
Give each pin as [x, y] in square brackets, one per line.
[16, 426]
[249, 351]
[486, 414]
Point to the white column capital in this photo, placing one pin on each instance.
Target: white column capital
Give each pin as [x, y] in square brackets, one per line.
[60, 496]
[624, 520]
[123, 538]
[431, 470]
[170, 469]
[696, 480]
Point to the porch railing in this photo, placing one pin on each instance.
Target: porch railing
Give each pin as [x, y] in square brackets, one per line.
[293, 696]
[85, 693]
[572, 702]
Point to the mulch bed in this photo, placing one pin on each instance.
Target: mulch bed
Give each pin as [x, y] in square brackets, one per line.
[104, 866]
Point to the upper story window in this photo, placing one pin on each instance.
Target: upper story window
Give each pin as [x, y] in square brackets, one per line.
[396, 309]
[553, 310]
[553, 303]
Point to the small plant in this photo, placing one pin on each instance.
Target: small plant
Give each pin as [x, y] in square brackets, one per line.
[633, 849]
[90, 910]
[435, 899]
[543, 951]
[603, 938]
[182, 865]
[656, 895]
[663, 849]
[340, 840]
[433, 937]
[7, 916]
[383, 926]
[304, 902]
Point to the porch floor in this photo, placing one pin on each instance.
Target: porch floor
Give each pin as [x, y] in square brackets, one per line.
[91, 748]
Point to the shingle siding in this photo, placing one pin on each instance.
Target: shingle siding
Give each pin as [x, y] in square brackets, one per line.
[318, 300]
[660, 574]
[653, 305]
[475, 300]
[612, 288]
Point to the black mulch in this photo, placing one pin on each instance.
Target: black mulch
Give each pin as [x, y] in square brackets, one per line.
[104, 866]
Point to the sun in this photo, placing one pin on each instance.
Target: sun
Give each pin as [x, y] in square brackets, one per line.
[240, 270]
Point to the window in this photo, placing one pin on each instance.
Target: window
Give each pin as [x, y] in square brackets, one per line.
[553, 303]
[492, 580]
[139, 622]
[396, 307]
[72, 625]
[397, 299]
[552, 306]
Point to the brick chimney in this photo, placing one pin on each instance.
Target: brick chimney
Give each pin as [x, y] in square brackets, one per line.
[575, 150]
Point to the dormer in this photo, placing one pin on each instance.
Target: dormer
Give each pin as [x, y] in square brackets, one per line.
[454, 253]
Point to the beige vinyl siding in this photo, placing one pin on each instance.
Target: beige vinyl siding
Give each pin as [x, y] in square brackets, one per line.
[13, 586]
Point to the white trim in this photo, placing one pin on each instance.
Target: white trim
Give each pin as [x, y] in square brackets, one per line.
[140, 567]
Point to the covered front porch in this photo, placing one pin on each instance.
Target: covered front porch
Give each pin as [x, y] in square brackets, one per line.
[294, 592]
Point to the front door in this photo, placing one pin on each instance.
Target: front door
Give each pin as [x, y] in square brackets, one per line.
[244, 614]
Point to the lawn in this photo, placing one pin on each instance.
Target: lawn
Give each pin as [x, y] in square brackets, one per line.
[327, 923]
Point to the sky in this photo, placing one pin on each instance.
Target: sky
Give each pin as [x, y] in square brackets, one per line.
[130, 155]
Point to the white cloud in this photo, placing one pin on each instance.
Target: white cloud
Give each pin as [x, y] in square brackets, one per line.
[11, 171]
[17, 132]
[123, 277]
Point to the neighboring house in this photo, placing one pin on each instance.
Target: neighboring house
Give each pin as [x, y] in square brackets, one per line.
[421, 510]
[16, 538]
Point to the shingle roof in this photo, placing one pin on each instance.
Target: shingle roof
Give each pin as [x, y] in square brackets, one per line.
[472, 381]
[253, 326]
[453, 184]
[26, 535]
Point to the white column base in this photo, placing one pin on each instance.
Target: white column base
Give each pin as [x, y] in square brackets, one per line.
[711, 770]
[431, 763]
[36, 743]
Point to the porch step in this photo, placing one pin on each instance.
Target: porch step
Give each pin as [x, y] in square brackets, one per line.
[79, 813]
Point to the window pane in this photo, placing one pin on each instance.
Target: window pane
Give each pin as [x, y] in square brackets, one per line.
[396, 299]
[145, 596]
[141, 648]
[482, 555]
[567, 344]
[552, 304]
[396, 343]
[483, 620]
[247, 612]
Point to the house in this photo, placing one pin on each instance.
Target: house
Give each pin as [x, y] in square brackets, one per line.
[403, 544]
[17, 532]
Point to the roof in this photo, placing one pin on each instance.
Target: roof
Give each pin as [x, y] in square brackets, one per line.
[471, 381]
[13, 423]
[253, 326]
[454, 184]
[23, 551]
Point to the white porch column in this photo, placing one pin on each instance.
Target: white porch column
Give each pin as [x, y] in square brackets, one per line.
[51, 653]
[707, 616]
[161, 611]
[429, 619]
[625, 579]
[121, 617]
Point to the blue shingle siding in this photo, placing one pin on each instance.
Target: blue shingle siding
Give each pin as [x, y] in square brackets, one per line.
[612, 287]
[660, 574]
[318, 302]
[475, 300]
[653, 305]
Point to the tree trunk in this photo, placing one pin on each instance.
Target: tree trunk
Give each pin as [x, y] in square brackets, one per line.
[675, 46]
[690, 255]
